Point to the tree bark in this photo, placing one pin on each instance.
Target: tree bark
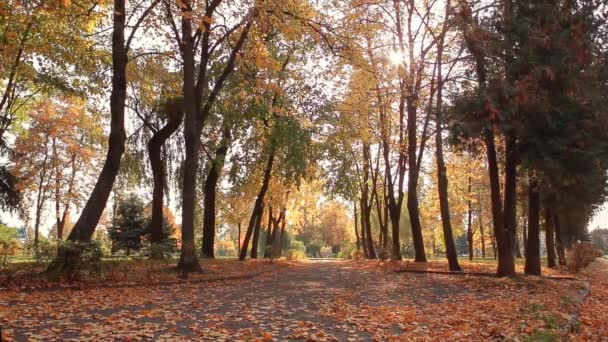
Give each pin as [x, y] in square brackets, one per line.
[510, 200]
[442, 178]
[559, 242]
[506, 261]
[533, 257]
[469, 221]
[257, 209]
[358, 242]
[238, 239]
[67, 260]
[550, 237]
[210, 192]
[198, 101]
[155, 145]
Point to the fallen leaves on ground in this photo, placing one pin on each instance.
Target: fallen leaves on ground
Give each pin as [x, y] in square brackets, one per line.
[135, 272]
[337, 301]
[594, 309]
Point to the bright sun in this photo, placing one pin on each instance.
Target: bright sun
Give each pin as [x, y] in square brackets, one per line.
[396, 57]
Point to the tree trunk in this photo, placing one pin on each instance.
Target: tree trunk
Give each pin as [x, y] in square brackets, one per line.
[256, 235]
[469, 221]
[442, 178]
[67, 260]
[269, 232]
[510, 200]
[257, 209]
[238, 239]
[559, 245]
[363, 225]
[483, 238]
[550, 237]
[210, 192]
[506, 261]
[358, 242]
[155, 146]
[533, 257]
[525, 237]
[192, 131]
[412, 194]
[493, 240]
[40, 199]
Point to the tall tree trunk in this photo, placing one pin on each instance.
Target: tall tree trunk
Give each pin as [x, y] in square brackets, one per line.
[412, 191]
[198, 102]
[66, 201]
[469, 221]
[269, 232]
[494, 252]
[559, 242]
[442, 177]
[56, 169]
[155, 145]
[533, 257]
[483, 238]
[506, 261]
[363, 225]
[67, 260]
[358, 242]
[40, 200]
[238, 239]
[210, 192]
[368, 233]
[549, 237]
[366, 204]
[255, 241]
[193, 126]
[510, 200]
[257, 209]
[525, 236]
[517, 247]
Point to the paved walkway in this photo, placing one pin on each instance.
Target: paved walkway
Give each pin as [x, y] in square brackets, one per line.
[315, 301]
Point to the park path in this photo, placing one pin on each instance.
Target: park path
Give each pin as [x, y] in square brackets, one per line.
[306, 301]
[292, 303]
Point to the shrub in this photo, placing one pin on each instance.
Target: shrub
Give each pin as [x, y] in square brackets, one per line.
[295, 254]
[296, 250]
[346, 252]
[581, 255]
[9, 245]
[44, 252]
[326, 252]
[357, 255]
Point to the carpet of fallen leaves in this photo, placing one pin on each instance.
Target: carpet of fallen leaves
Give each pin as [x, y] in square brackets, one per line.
[133, 272]
[594, 309]
[310, 301]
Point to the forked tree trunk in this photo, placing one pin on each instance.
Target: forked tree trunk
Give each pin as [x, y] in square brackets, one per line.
[257, 209]
[155, 145]
[533, 257]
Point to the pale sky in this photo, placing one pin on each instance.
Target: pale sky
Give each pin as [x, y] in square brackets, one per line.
[600, 219]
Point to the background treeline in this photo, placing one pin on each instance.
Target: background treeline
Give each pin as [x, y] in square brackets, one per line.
[391, 128]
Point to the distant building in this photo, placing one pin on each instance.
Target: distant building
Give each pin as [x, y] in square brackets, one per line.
[22, 234]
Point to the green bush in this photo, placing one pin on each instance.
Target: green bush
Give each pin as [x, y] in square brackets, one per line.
[44, 252]
[346, 252]
[9, 245]
[295, 254]
[296, 250]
